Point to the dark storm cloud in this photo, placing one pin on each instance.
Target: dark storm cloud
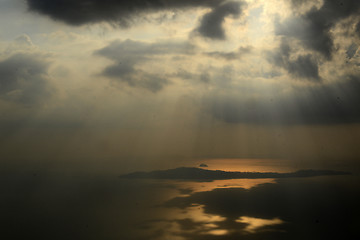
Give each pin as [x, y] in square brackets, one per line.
[23, 78]
[128, 56]
[320, 104]
[313, 28]
[78, 12]
[230, 55]
[212, 23]
[303, 67]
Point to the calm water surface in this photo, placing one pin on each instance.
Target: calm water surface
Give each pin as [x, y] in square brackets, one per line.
[70, 206]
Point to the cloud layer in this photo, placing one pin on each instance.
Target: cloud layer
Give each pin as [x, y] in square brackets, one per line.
[128, 57]
[304, 67]
[78, 12]
[24, 78]
[313, 29]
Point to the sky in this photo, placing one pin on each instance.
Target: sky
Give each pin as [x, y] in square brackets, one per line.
[130, 85]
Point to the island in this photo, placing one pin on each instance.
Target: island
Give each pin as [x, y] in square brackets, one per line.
[204, 174]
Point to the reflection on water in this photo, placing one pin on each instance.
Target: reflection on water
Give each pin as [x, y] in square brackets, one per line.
[254, 224]
[191, 220]
[218, 232]
[187, 187]
[248, 165]
[196, 213]
[97, 207]
[312, 208]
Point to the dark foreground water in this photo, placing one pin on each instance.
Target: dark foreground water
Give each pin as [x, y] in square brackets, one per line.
[45, 205]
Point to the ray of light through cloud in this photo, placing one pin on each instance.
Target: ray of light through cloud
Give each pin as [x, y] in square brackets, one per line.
[102, 88]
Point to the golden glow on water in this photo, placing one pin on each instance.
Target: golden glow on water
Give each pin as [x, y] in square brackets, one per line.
[207, 221]
[218, 232]
[197, 214]
[248, 165]
[256, 223]
[202, 223]
[227, 183]
[210, 225]
[235, 165]
[178, 221]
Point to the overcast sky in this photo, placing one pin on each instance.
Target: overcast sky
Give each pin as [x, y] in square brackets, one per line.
[152, 82]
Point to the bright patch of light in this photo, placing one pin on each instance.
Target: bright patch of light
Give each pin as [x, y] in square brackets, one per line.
[256, 223]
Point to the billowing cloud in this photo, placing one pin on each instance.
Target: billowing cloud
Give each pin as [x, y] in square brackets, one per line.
[273, 82]
[128, 57]
[24, 78]
[212, 23]
[302, 67]
[78, 12]
[313, 28]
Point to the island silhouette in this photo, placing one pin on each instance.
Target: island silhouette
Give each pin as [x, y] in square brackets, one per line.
[199, 174]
